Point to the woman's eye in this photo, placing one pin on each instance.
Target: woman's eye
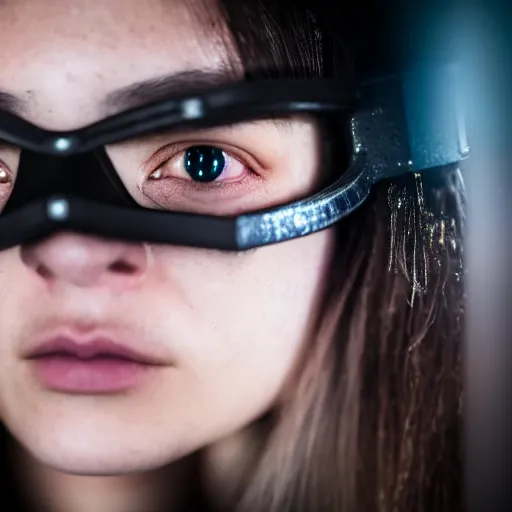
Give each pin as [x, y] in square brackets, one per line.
[5, 178]
[6, 184]
[202, 164]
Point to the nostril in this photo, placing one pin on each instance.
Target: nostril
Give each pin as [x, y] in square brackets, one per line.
[44, 272]
[122, 267]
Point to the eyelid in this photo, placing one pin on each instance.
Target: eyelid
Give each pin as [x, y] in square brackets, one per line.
[5, 167]
[10, 158]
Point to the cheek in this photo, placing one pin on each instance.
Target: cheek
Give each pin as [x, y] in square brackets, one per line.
[15, 295]
[247, 313]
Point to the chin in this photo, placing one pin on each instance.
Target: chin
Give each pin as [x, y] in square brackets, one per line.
[96, 459]
[97, 450]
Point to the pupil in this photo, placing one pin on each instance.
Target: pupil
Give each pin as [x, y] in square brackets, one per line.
[204, 163]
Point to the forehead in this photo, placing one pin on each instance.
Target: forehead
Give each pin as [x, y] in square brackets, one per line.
[63, 57]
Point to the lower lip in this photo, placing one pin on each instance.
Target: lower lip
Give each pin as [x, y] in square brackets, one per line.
[95, 376]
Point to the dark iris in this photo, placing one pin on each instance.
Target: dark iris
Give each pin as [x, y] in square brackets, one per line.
[204, 163]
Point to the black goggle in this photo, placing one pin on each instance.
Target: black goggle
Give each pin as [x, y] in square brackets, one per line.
[89, 180]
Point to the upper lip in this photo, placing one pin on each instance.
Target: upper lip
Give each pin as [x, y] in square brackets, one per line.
[90, 348]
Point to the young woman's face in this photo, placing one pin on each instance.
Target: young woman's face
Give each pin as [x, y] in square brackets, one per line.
[226, 329]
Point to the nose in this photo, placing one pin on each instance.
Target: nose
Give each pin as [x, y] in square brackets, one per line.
[86, 261]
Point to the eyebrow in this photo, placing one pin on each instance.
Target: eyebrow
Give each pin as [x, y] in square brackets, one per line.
[161, 88]
[145, 91]
[149, 91]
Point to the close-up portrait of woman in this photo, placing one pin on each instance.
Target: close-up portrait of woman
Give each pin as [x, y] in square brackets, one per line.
[215, 293]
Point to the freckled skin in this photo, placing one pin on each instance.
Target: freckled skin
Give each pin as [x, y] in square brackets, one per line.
[232, 324]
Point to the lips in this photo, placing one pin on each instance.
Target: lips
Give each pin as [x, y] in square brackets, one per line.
[94, 366]
[90, 349]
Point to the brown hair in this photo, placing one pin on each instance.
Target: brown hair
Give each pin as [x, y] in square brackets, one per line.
[371, 420]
